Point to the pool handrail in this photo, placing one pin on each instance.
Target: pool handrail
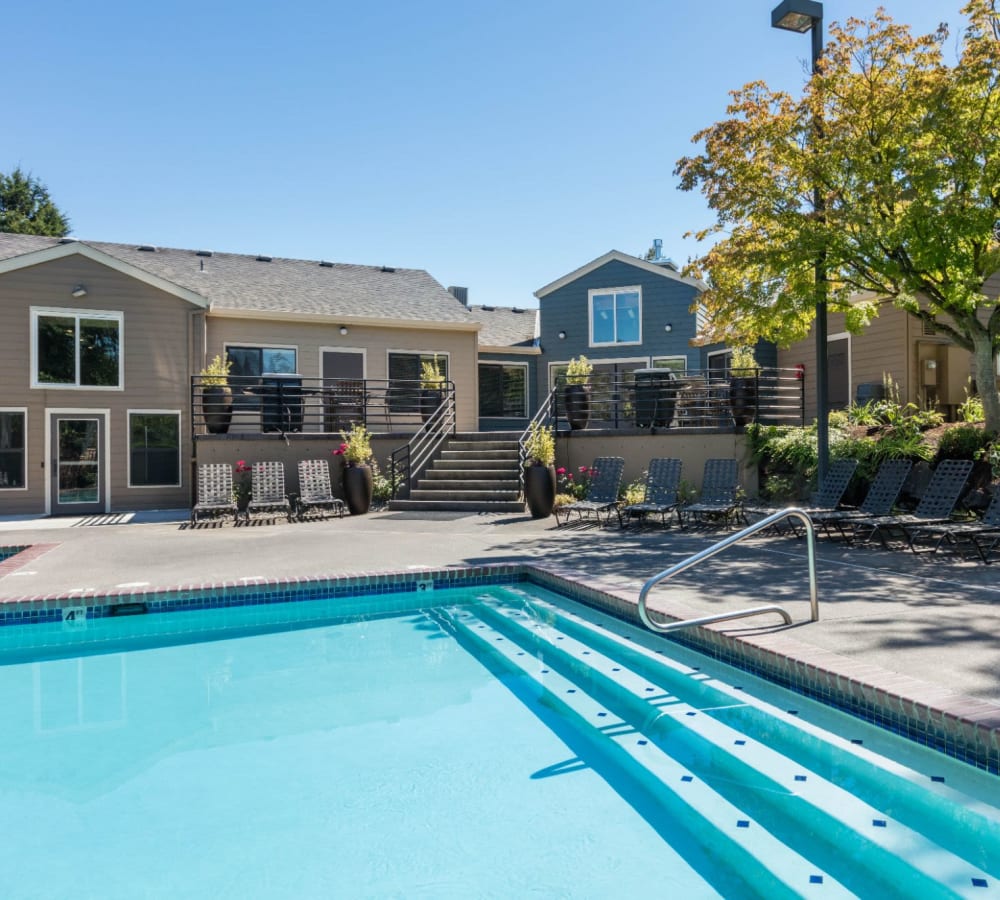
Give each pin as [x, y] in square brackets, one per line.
[791, 513]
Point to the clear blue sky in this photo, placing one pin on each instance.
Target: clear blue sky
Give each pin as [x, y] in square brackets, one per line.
[498, 146]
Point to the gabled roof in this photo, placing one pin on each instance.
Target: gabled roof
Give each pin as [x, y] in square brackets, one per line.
[261, 286]
[618, 256]
[507, 328]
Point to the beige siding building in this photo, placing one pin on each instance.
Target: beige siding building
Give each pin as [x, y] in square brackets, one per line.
[100, 342]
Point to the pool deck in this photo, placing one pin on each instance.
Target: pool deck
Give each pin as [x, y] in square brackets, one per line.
[925, 627]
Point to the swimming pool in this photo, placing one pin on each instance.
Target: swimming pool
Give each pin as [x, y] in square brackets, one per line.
[490, 740]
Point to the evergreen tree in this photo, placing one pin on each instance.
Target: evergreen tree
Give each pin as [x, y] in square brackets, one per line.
[26, 208]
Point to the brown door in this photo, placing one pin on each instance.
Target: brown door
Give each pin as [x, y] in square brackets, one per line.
[343, 389]
[76, 464]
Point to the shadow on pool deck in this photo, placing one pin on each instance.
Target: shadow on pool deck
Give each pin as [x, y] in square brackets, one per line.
[930, 617]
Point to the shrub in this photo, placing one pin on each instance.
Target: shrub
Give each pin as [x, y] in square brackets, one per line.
[578, 370]
[540, 446]
[963, 442]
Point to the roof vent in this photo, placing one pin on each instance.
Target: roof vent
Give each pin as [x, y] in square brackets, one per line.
[388, 269]
[517, 309]
[146, 248]
[67, 240]
[263, 259]
[460, 293]
[488, 308]
[203, 252]
[325, 264]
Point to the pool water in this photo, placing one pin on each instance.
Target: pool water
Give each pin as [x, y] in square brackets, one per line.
[502, 742]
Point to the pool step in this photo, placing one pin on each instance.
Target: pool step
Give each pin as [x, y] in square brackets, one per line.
[718, 826]
[778, 795]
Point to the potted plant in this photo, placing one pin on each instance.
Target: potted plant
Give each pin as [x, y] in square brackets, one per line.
[216, 396]
[356, 452]
[431, 387]
[577, 392]
[743, 373]
[539, 471]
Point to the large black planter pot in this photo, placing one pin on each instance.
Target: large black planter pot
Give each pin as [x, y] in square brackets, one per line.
[540, 490]
[430, 400]
[577, 398]
[217, 408]
[743, 400]
[358, 489]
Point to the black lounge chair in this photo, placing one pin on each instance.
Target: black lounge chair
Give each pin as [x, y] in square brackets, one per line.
[937, 504]
[215, 492]
[602, 493]
[719, 499]
[267, 491]
[315, 492]
[663, 481]
[879, 501]
[826, 499]
[983, 534]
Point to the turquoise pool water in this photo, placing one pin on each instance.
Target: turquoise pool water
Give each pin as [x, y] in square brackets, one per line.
[496, 742]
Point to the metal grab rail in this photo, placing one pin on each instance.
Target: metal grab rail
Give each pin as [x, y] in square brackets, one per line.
[790, 513]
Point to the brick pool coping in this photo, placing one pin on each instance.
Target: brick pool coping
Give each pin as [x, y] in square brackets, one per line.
[962, 727]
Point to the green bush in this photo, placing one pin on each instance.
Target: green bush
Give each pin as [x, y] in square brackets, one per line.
[963, 442]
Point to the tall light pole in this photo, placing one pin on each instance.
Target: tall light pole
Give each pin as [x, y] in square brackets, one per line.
[802, 16]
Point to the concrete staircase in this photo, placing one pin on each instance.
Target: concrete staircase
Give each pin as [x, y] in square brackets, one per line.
[474, 472]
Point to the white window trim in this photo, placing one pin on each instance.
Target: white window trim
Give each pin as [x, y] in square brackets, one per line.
[23, 410]
[113, 315]
[80, 413]
[637, 289]
[128, 449]
[506, 365]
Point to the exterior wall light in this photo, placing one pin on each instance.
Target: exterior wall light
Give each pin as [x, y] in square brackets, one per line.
[668, 328]
[343, 329]
[79, 291]
[562, 335]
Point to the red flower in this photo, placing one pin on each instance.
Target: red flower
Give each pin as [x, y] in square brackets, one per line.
[561, 470]
[583, 470]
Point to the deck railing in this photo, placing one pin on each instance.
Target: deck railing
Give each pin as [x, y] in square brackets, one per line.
[290, 404]
[705, 399]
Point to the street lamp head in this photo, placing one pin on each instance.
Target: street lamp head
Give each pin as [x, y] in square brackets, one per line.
[797, 15]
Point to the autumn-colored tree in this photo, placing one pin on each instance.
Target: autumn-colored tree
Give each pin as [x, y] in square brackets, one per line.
[26, 208]
[905, 151]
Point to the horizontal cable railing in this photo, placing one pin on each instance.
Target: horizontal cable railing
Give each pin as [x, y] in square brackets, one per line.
[289, 404]
[662, 398]
[407, 463]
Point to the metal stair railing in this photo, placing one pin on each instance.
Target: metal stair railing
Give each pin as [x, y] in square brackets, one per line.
[543, 417]
[790, 513]
[408, 462]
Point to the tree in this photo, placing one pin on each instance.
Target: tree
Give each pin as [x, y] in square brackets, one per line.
[905, 151]
[26, 208]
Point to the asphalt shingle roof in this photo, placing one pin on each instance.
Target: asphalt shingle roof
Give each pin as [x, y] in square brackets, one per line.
[505, 326]
[234, 281]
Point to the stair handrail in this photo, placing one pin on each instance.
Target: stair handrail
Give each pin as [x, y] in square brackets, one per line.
[408, 461]
[542, 417]
[791, 512]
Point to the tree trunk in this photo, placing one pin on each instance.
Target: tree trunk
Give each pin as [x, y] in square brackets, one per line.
[985, 367]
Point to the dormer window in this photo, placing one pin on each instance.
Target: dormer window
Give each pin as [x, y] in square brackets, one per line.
[615, 316]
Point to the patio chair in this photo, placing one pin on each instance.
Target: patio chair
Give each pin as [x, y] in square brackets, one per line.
[826, 499]
[315, 492]
[662, 491]
[879, 501]
[983, 534]
[936, 505]
[215, 492]
[602, 493]
[267, 491]
[719, 500]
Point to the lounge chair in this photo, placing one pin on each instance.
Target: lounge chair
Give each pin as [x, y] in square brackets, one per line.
[315, 492]
[215, 492]
[936, 505]
[719, 499]
[826, 499]
[267, 491]
[602, 493]
[879, 501]
[661, 496]
[983, 534]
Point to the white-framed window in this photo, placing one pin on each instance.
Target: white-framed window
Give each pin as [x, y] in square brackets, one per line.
[404, 369]
[676, 364]
[503, 390]
[73, 348]
[718, 363]
[13, 446]
[615, 316]
[154, 448]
